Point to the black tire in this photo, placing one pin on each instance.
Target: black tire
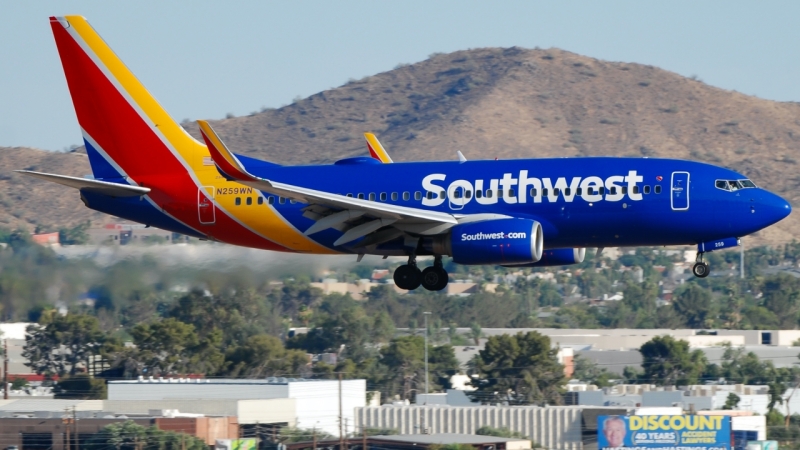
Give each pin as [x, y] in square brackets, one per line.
[434, 278]
[407, 277]
[700, 270]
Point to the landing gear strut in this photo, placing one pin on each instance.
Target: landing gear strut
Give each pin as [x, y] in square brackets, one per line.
[409, 276]
[700, 268]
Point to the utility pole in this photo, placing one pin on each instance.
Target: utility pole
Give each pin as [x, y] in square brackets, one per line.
[364, 438]
[68, 422]
[741, 259]
[314, 442]
[341, 422]
[5, 369]
[426, 314]
[75, 424]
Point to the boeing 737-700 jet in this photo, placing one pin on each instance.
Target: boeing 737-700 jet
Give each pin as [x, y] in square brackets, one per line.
[520, 213]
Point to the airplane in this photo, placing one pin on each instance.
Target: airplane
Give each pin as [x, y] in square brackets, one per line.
[512, 213]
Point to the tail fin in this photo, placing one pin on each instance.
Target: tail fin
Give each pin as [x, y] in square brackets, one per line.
[126, 132]
[376, 150]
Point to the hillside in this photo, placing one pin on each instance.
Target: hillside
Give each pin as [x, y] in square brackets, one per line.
[508, 103]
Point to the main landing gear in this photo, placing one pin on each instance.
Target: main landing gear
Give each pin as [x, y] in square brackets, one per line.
[700, 268]
[409, 276]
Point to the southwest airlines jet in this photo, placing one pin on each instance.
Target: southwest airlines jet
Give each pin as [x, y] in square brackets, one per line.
[515, 213]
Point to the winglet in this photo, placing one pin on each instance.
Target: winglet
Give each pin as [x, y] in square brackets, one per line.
[376, 150]
[226, 161]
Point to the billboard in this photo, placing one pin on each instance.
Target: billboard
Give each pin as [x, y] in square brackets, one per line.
[664, 432]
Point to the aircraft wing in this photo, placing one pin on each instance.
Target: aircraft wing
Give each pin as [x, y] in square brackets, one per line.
[85, 184]
[340, 208]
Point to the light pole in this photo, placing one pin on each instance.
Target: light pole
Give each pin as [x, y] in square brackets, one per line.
[426, 314]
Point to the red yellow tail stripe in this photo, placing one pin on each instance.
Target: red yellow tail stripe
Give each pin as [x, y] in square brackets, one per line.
[376, 150]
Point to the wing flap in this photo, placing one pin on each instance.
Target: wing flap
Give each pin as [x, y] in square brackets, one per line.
[85, 184]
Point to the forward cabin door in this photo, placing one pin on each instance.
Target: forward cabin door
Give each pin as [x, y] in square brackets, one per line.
[205, 205]
[679, 191]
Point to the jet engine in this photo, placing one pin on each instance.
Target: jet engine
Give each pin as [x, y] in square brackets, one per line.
[501, 241]
[557, 257]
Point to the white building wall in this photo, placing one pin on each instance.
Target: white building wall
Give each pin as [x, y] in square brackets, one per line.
[552, 427]
[194, 389]
[318, 403]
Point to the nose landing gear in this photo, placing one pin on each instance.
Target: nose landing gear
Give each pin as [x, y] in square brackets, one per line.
[409, 277]
[700, 268]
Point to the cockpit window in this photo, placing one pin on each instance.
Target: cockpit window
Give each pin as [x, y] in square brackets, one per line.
[733, 185]
[747, 183]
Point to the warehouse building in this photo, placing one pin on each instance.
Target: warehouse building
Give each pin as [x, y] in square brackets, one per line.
[316, 402]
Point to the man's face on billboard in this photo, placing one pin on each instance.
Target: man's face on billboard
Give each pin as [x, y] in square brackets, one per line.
[615, 432]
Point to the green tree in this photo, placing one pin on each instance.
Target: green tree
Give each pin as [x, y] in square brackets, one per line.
[63, 344]
[263, 356]
[130, 436]
[499, 432]
[694, 304]
[519, 369]
[667, 361]
[165, 347]
[404, 359]
[290, 435]
[588, 371]
[732, 401]
[475, 333]
[80, 386]
[781, 295]
[76, 235]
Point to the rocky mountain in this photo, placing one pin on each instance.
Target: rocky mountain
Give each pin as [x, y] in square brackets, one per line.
[493, 103]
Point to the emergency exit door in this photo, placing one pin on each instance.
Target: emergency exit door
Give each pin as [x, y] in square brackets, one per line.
[206, 210]
[679, 191]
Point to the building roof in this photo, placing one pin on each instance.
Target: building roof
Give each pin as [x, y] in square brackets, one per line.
[262, 381]
[446, 438]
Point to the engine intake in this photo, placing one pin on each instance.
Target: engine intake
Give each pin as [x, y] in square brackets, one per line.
[501, 241]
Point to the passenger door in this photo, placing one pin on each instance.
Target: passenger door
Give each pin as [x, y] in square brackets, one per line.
[206, 210]
[679, 191]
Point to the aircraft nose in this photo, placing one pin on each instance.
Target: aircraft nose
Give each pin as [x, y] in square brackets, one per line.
[772, 208]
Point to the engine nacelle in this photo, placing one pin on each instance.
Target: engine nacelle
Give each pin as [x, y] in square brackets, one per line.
[557, 257]
[501, 241]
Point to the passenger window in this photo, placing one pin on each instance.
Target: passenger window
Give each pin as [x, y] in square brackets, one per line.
[406, 196]
[457, 193]
[429, 195]
[383, 196]
[624, 190]
[361, 196]
[647, 189]
[260, 200]
[533, 192]
[418, 195]
[579, 192]
[602, 191]
[511, 193]
[292, 201]
[545, 192]
[238, 201]
[488, 193]
[567, 191]
[394, 196]
[636, 189]
[372, 196]
[441, 194]
[469, 194]
[499, 193]
[271, 200]
[613, 190]
[556, 191]
[249, 201]
[658, 189]
[478, 194]
[281, 200]
[350, 195]
[592, 191]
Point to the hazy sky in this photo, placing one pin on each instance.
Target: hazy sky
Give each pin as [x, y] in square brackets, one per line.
[204, 59]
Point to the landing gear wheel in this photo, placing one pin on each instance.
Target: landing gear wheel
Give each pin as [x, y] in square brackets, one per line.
[700, 269]
[407, 277]
[434, 278]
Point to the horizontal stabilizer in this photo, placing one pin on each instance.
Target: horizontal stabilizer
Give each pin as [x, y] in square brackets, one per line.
[85, 184]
